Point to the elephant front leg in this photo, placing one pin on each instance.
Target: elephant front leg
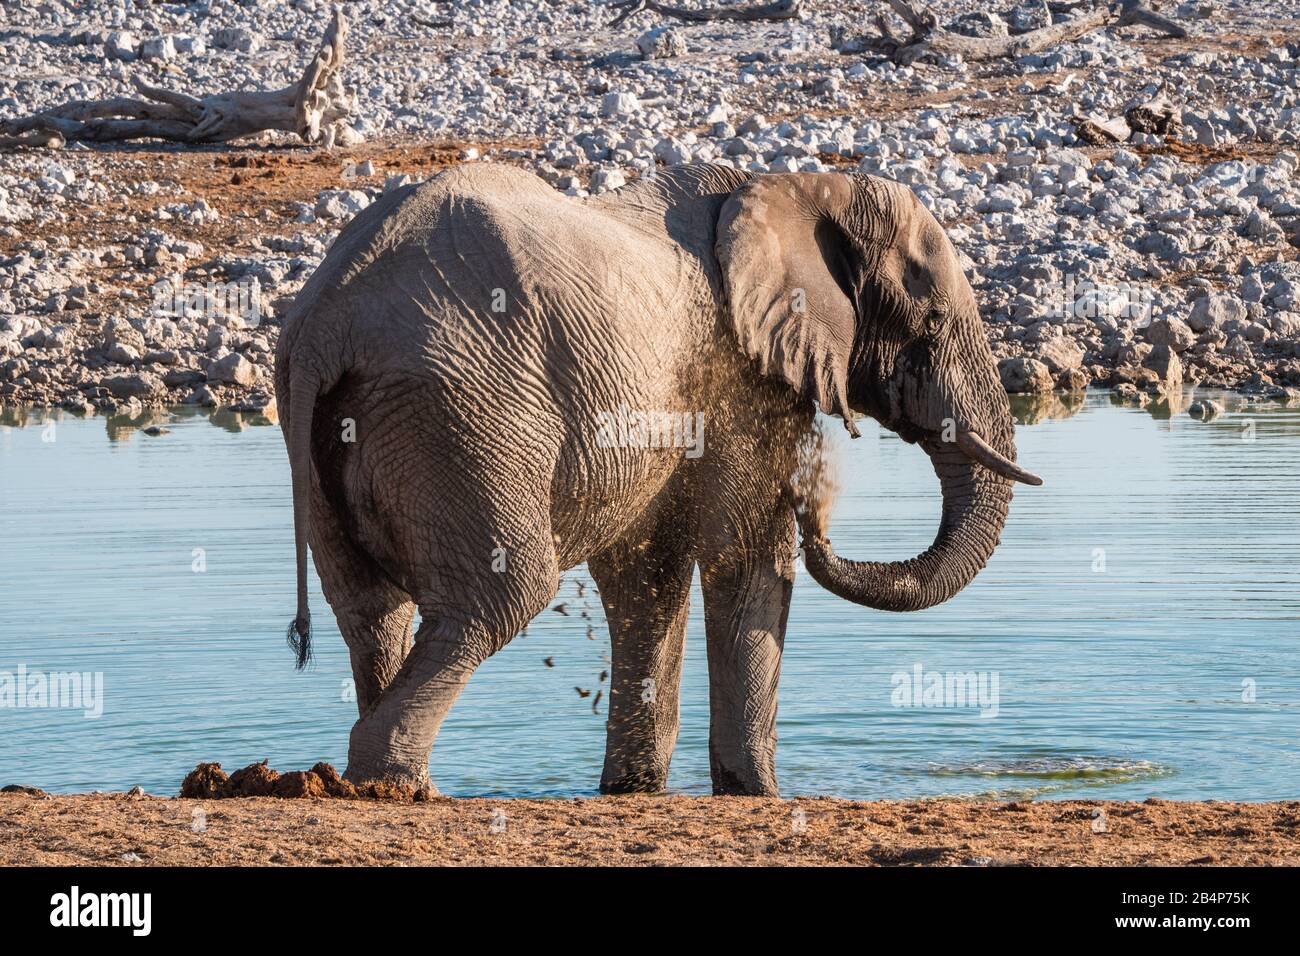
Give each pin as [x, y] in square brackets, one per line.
[646, 595]
[746, 605]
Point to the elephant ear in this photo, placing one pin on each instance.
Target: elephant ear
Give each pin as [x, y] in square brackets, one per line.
[788, 268]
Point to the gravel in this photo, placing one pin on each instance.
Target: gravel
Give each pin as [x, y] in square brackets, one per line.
[1166, 261]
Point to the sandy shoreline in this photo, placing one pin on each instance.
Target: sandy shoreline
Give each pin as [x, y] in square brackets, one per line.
[116, 829]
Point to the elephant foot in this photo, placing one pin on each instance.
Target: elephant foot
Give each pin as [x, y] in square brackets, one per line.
[391, 783]
[727, 783]
[385, 764]
[380, 771]
[635, 783]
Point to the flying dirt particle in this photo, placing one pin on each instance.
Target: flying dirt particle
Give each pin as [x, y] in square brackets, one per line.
[207, 781]
[548, 661]
[814, 484]
[561, 609]
[582, 693]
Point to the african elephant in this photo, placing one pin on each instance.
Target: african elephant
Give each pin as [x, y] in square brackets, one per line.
[447, 377]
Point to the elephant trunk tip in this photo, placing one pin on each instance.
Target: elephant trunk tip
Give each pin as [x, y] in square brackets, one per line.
[812, 519]
[299, 639]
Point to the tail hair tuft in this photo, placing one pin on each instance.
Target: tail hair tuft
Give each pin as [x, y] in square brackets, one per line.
[299, 639]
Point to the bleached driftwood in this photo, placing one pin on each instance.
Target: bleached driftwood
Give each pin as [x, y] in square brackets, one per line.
[1100, 131]
[777, 10]
[40, 137]
[316, 108]
[929, 38]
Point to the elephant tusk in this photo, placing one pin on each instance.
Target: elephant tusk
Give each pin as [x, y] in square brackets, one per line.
[977, 449]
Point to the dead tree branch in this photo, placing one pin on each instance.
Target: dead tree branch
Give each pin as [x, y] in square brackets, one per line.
[929, 38]
[778, 10]
[46, 137]
[316, 108]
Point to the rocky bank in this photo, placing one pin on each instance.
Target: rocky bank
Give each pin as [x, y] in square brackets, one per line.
[142, 275]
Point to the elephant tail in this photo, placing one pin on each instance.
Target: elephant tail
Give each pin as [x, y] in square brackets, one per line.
[302, 402]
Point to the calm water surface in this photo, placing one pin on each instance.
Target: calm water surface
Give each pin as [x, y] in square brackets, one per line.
[1140, 619]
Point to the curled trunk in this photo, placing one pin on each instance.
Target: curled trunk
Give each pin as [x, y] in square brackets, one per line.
[975, 503]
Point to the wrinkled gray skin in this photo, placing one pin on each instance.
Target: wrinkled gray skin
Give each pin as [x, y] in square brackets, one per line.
[475, 327]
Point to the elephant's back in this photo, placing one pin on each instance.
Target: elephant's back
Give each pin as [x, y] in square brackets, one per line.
[407, 217]
[487, 263]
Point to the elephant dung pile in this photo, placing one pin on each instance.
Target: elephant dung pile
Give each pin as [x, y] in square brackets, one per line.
[208, 781]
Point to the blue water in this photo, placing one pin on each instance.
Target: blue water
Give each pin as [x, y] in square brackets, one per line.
[1140, 618]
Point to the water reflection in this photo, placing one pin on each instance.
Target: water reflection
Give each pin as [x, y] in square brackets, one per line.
[1050, 406]
[1027, 410]
[120, 427]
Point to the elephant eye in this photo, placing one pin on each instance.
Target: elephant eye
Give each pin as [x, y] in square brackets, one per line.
[934, 319]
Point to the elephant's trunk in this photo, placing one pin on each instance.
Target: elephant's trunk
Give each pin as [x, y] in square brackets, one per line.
[975, 503]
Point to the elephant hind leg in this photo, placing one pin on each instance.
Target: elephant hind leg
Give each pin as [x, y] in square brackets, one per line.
[391, 741]
[470, 611]
[374, 615]
[377, 630]
[456, 511]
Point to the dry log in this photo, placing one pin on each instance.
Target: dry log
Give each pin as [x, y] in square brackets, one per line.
[316, 108]
[1099, 131]
[45, 137]
[778, 10]
[929, 38]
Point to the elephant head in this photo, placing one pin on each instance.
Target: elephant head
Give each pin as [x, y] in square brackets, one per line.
[848, 289]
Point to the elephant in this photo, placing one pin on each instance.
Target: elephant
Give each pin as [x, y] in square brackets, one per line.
[448, 376]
